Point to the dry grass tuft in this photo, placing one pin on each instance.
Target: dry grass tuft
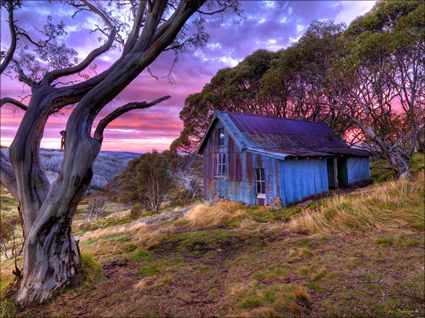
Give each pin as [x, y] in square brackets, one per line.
[99, 233]
[220, 214]
[147, 283]
[148, 237]
[396, 204]
[301, 293]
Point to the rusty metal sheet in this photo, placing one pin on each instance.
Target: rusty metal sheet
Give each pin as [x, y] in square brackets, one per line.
[295, 137]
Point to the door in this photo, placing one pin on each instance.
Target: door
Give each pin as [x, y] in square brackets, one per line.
[342, 172]
[332, 173]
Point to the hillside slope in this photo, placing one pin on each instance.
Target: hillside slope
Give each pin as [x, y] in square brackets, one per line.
[359, 254]
[107, 165]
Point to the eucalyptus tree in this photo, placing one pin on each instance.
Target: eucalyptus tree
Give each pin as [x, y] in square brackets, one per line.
[141, 30]
[381, 80]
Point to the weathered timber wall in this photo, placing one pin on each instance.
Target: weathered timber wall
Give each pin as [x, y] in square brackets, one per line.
[358, 169]
[302, 178]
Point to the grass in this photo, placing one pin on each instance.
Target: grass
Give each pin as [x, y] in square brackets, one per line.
[224, 213]
[396, 241]
[273, 272]
[103, 223]
[91, 269]
[7, 306]
[385, 206]
[381, 170]
[351, 255]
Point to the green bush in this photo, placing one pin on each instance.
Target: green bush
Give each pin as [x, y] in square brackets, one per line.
[136, 211]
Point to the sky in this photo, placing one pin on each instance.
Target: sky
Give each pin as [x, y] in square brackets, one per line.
[263, 25]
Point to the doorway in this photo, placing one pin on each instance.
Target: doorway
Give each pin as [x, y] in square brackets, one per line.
[332, 173]
[337, 172]
[342, 172]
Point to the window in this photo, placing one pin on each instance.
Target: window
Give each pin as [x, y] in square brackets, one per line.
[221, 167]
[220, 134]
[260, 181]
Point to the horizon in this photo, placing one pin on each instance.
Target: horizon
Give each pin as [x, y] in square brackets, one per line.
[264, 25]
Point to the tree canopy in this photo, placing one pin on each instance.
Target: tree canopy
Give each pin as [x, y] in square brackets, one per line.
[366, 81]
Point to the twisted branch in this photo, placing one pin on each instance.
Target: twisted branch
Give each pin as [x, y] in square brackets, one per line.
[98, 134]
[9, 100]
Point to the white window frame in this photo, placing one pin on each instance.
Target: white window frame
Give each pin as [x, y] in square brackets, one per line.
[221, 164]
[260, 181]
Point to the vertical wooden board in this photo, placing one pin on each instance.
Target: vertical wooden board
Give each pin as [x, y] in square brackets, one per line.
[249, 167]
[358, 169]
[238, 168]
[303, 178]
[231, 157]
[258, 162]
[277, 177]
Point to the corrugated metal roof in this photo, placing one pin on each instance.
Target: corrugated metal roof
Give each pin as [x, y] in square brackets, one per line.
[293, 138]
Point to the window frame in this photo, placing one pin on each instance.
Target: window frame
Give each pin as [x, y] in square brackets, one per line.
[260, 181]
[221, 142]
[221, 164]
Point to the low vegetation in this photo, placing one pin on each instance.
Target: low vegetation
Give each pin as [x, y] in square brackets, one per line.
[392, 205]
[351, 254]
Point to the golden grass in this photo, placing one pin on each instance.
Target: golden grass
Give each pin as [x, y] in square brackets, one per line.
[125, 228]
[396, 204]
[149, 237]
[210, 216]
[301, 293]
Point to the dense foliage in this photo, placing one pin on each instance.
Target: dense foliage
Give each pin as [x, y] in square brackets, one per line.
[366, 81]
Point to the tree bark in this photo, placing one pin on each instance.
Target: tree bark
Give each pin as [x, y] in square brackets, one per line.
[51, 263]
[51, 255]
[400, 163]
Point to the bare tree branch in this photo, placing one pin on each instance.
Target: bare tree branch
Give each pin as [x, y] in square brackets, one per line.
[12, 30]
[51, 76]
[136, 27]
[22, 76]
[98, 134]
[9, 100]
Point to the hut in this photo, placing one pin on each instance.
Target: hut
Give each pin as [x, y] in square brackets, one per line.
[258, 159]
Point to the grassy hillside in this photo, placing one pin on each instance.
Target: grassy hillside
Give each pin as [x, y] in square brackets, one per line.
[358, 254]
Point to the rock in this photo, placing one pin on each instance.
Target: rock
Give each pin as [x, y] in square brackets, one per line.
[276, 204]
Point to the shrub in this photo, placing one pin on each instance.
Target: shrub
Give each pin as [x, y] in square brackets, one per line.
[136, 211]
[146, 180]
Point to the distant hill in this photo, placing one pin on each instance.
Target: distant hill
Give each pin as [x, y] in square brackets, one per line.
[108, 164]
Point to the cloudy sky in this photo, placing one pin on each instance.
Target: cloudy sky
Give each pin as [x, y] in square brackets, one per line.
[264, 25]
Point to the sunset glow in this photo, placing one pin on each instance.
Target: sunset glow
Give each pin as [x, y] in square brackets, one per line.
[264, 25]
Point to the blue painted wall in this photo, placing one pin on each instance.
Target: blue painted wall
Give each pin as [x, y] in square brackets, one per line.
[302, 178]
[358, 169]
[291, 180]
